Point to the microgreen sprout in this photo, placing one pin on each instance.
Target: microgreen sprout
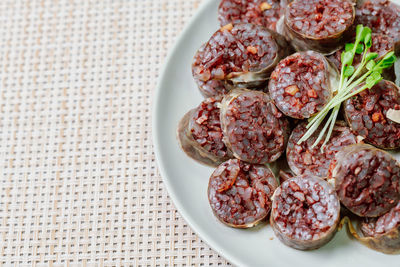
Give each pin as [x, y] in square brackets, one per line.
[353, 80]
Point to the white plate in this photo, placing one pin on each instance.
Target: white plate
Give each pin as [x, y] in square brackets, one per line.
[187, 180]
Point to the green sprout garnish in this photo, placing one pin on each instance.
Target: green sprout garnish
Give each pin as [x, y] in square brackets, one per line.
[370, 71]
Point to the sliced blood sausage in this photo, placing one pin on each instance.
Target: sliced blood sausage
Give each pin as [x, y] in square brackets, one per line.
[305, 159]
[319, 25]
[381, 44]
[200, 134]
[305, 212]
[367, 180]
[366, 114]
[254, 130]
[382, 16]
[383, 233]
[239, 193]
[242, 55]
[212, 87]
[302, 84]
[261, 12]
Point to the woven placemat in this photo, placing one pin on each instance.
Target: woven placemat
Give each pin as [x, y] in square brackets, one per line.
[79, 184]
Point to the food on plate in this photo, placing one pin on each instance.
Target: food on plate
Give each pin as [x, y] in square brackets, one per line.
[367, 180]
[319, 25]
[241, 55]
[305, 159]
[256, 89]
[382, 16]
[302, 84]
[305, 212]
[239, 193]
[254, 129]
[366, 114]
[200, 133]
[261, 12]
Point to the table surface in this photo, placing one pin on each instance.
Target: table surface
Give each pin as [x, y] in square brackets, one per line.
[79, 184]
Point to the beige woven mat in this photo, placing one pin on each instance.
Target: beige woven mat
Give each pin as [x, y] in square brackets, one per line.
[79, 184]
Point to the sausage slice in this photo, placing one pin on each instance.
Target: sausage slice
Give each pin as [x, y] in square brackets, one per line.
[302, 84]
[254, 129]
[319, 25]
[367, 180]
[305, 212]
[241, 55]
[366, 113]
[200, 134]
[239, 193]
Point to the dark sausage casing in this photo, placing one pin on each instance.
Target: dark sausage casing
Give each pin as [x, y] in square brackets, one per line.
[254, 129]
[319, 25]
[305, 212]
[241, 55]
[239, 193]
[200, 135]
[367, 180]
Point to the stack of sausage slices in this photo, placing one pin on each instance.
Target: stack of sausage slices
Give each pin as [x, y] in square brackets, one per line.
[272, 66]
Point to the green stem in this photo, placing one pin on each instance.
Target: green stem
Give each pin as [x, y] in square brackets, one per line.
[327, 107]
[311, 130]
[334, 101]
[360, 67]
[334, 115]
[352, 94]
[341, 78]
[317, 117]
[354, 84]
[360, 80]
[322, 133]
